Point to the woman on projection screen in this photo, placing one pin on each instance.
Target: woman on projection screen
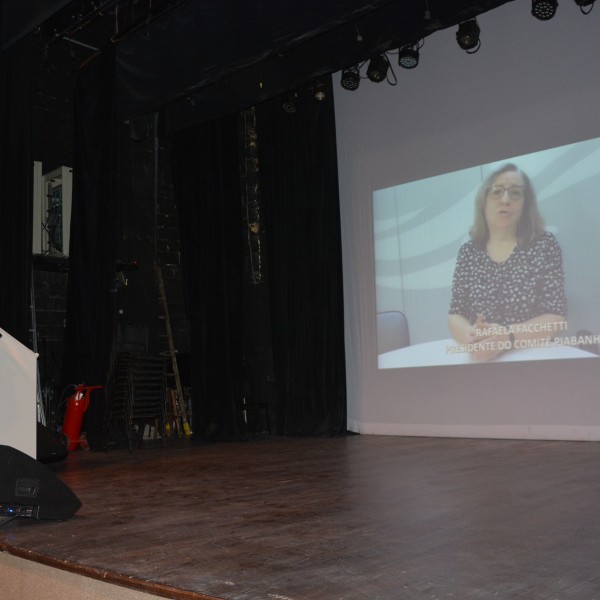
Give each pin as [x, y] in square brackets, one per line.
[508, 284]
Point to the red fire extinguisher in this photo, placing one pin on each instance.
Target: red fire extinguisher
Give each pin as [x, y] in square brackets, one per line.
[77, 404]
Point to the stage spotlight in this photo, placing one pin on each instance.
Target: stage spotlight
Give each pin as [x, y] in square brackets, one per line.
[408, 57]
[290, 103]
[378, 68]
[350, 78]
[467, 36]
[319, 91]
[543, 9]
[583, 3]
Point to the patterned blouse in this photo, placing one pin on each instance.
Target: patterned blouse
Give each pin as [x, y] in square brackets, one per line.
[529, 283]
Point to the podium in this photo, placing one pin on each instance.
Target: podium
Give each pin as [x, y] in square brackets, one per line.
[18, 395]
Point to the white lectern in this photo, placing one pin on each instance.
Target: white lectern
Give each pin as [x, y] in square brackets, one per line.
[18, 395]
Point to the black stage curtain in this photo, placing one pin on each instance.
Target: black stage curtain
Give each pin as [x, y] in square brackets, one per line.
[91, 292]
[16, 204]
[299, 192]
[299, 185]
[207, 190]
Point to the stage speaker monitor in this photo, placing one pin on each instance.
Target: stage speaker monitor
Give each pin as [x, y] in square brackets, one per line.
[49, 448]
[30, 489]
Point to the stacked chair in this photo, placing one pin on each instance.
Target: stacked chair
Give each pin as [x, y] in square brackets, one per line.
[138, 399]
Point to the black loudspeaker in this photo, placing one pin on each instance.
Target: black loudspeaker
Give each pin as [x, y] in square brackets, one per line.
[30, 489]
[49, 448]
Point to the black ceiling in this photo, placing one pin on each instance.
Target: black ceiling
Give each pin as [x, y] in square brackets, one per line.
[199, 59]
[18, 18]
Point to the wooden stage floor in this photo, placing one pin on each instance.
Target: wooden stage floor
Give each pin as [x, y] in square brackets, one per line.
[348, 518]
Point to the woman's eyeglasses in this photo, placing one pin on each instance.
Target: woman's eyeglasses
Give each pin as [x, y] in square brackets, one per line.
[515, 192]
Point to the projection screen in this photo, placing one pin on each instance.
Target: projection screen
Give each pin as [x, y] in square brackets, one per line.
[419, 228]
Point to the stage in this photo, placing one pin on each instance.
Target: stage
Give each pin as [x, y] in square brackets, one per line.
[355, 517]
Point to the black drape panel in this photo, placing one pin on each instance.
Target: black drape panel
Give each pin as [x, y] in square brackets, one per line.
[205, 162]
[298, 180]
[93, 239]
[16, 204]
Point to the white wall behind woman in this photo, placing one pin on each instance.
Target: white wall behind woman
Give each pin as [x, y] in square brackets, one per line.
[532, 85]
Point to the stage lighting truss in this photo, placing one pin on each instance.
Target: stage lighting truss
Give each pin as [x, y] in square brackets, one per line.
[467, 36]
[544, 10]
[583, 4]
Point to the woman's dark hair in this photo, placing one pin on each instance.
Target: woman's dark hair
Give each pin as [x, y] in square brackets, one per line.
[531, 224]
